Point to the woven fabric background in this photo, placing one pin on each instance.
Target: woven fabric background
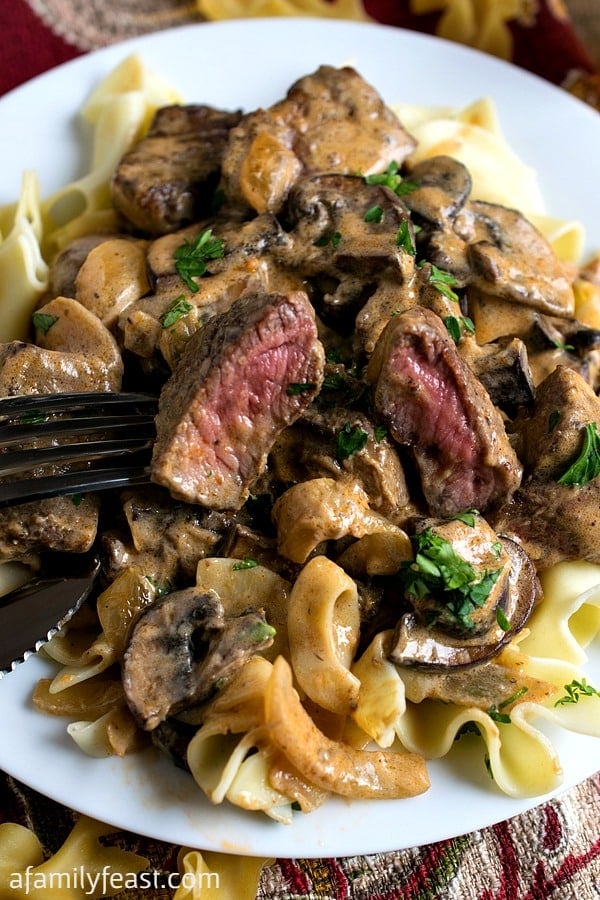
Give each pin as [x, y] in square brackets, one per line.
[553, 851]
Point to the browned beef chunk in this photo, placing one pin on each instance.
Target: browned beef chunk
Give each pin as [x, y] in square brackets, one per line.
[28, 369]
[311, 449]
[58, 524]
[330, 121]
[167, 180]
[432, 402]
[555, 521]
[241, 379]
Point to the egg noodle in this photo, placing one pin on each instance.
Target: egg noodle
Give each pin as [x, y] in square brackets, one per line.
[256, 744]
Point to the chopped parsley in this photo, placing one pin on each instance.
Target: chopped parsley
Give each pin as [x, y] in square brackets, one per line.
[380, 432]
[456, 326]
[374, 214]
[587, 465]
[404, 238]
[294, 388]
[497, 716]
[393, 180]
[439, 572]
[161, 589]
[350, 439]
[334, 382]
[467, 517]
[33, 418]
[441, 280]
[176, 311]
[332, 240]
[191, 257]
[261, 631]
[560, 345]
[513, 697]
[553, 420]
[76, 499]
[246, 563]
[575, 690]
[501, 619]
[43, 321]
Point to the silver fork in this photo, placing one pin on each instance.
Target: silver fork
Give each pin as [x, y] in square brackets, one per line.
[112, 425]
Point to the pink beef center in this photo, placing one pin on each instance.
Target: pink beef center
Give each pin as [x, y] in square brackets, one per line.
[429, 412]
[245, 406]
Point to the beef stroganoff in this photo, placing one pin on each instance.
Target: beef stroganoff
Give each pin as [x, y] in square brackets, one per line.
[377, 388]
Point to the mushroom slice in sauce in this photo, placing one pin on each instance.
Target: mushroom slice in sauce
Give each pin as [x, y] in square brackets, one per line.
[442, 187]
[499, 251]
[182, 648]
[434, 636]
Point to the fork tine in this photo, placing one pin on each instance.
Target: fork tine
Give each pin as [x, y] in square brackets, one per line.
[18, 434]
[45, 404]
[22, 460]
[127, 419]
[82, 482]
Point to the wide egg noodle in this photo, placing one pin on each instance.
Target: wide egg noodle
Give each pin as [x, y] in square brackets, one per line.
[119, 111]
[112, 734]
[241, 587]
[97, 658]
[236, 9]
[569, 617]
[22, 857]
[473, 135]
[209, 875]
[23, 271]
[324, 630]
[381, 699]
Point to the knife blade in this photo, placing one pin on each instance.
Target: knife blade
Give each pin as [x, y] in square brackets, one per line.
[36, 611]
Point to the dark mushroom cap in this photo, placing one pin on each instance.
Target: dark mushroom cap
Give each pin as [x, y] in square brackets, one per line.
[416, 644]
[182, 648]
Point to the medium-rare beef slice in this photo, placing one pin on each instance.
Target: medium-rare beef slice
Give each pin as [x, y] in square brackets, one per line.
[167, 180]
[241, 379]
[431, 401]
[330, 121]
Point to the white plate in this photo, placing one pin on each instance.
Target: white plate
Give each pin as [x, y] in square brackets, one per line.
[248, 64]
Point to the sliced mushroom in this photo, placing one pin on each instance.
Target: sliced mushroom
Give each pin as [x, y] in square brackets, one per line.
[443, 185]
[416, 644]
[501, 253]
[503, 369]
[182, 648]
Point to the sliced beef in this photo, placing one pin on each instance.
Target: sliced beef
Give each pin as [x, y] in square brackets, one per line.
[432, 402]
[241, 379]
[168, 179]
[330, 121]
